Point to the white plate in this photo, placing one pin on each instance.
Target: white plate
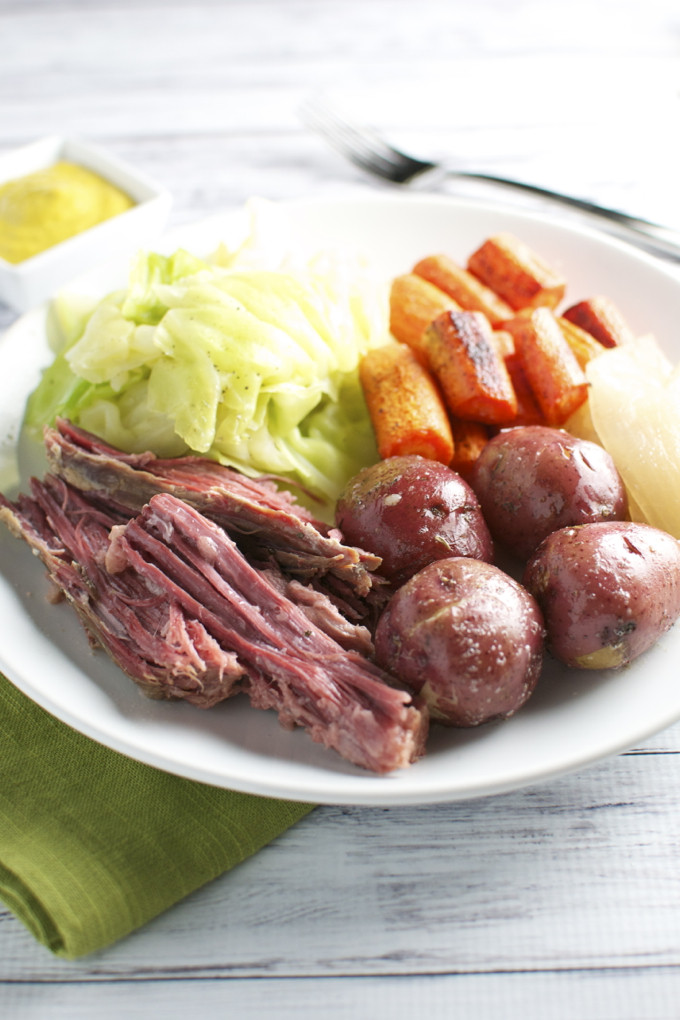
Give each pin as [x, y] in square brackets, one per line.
[573, 718]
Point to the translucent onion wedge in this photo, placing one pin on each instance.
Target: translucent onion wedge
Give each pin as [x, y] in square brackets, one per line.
[634, 407]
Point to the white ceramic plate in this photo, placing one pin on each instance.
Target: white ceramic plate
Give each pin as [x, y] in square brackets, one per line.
[573, 718]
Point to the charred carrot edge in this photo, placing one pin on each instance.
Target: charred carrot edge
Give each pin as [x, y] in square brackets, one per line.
[600, 317]
[470, 293]
[404, 404]
[583, 344]
[469, 369]
[555, 376]
[414, 303]
[528, 410]
[519, 276]
[469, 439]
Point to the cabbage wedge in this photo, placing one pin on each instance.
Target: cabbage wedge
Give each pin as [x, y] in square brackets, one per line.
[252, 365]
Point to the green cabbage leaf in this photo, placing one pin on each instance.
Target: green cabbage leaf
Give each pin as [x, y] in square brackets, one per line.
[253, 365]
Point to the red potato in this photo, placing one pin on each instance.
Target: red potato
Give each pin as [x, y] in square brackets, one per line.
[607, 591]
[410, 511]
[533, 480]
[466, 638]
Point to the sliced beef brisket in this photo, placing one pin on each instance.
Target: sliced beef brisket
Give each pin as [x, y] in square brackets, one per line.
[166, 652]
[181, 610]
[340, 697]
[264, 521]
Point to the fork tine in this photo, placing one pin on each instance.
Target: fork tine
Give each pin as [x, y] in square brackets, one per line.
[360, 144]
[369, 151]
[343, 131]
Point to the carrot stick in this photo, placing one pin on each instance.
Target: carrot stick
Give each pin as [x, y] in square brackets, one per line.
[519, 276]
[555, 376]
[404, 404]
[469, 439]
[414, 303]
[469, 369]
[600, 317]
[583, 344]
[528, 411]
[463, 287]
[503, 342]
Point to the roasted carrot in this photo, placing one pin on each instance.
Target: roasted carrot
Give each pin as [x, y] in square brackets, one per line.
[470, 293]
[503, 342]
[469, 439]
[518, 275]
[555, 376]
[414, 303]
[404, 403]
[528, 410]
[469, 369]
[600, 317]
[583, 344]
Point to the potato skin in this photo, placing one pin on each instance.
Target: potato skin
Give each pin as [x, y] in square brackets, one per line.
[409, 511]
[607, 591]
[533, 480]
[466, 638]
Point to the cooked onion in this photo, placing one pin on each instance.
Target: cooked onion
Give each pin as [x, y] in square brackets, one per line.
[634, 410]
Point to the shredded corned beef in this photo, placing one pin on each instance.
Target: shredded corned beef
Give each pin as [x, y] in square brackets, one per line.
[340, 697]
[179, 607]
[266, 522]
[168, 654]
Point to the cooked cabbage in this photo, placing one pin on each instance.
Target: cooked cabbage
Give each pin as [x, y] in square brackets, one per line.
[252, 365]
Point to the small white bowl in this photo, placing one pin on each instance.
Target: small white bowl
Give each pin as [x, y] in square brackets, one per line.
[27, 284]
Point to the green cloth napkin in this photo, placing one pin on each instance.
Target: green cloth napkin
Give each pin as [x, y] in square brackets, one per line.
[94, 844]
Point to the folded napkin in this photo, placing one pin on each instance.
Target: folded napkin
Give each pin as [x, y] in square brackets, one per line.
[94, 844]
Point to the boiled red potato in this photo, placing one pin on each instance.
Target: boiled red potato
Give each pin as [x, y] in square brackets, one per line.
[533, 480]
[466, 638]
[409, 511]
[607, 591]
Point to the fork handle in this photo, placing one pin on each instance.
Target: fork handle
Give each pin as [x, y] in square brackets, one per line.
[653, 237]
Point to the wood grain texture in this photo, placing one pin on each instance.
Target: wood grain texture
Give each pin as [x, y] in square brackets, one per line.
[559, 901]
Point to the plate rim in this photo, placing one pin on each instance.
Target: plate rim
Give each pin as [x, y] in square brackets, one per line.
[371, 790]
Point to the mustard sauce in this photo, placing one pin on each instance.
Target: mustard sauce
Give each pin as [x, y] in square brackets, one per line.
[43, 208]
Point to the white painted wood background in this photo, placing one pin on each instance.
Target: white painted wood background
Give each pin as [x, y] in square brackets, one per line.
[561, 901]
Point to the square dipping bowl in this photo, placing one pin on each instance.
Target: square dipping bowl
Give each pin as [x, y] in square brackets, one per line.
[26, 284]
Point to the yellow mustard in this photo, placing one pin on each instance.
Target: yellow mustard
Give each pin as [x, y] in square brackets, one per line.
[45, 207]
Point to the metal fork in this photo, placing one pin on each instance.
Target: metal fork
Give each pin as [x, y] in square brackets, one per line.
[368, 150]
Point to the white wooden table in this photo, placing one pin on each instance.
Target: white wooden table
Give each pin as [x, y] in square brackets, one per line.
[560, 901]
